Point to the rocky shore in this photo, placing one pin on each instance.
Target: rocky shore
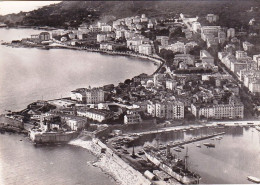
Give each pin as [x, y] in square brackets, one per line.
[111, 164]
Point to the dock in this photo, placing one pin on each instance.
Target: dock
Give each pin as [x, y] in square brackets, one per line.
[192, 140]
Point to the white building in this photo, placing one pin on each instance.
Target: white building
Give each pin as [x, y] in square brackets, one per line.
[230, 111]
[196, 26]
[247, 46]
[167, 110]
[145, 49]
[132, 118]
[241, 54]
[106, 46]
[256, 59]
[230, 33]
[106, 28]
[95, 114]
[101, 37]
[163, 39]
[88, 95]
[254, 86]
[212, 18]
[150, 25]
[206, 57]
[171, 84]
[75, 123]
[134, 43]
[100, 24]
[178, 47]
[207, 31]
[120, 34]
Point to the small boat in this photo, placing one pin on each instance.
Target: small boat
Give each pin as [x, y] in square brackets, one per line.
[250, 123]
[253, 179]
[198, 145]
[177, 150]
[212, 139]
[209, 145]
[140, 153]
[21, 140]
[180, 146]
[220, 127]
[184, 130]
[257, 128]
[219, 138]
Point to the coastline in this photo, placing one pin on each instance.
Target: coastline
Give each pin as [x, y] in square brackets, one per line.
[158, 61]
[111, 164]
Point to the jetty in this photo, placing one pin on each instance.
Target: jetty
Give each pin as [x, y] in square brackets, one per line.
[176, 144]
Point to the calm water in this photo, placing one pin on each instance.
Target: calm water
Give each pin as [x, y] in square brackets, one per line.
[235, 157]
[22, 163]
[27, 75]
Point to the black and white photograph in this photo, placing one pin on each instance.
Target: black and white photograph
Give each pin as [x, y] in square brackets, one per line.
[130, 92]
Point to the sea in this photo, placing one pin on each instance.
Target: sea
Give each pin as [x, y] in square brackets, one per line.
[30, 74]
[236, 154]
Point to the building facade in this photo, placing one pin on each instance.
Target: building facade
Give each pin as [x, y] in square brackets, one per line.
[167, 110]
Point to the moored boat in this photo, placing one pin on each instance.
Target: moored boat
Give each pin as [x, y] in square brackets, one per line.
[257, 128]
[209, 145]
[174, 167]
[177, 150]
[253, 179]
[180, 146]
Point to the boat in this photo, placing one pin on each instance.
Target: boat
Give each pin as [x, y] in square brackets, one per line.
[180, 146]
[140, 153]
[173, 166]
[219, 138]
[250, 123]
[209, 145]
[253, 179]
[198, 145]
[212, 139]
[177, 150]
[257, 128]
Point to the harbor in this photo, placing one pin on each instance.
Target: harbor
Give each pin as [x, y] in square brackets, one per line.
[207, 139]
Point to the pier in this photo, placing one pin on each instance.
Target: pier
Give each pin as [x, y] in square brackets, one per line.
[192, 140]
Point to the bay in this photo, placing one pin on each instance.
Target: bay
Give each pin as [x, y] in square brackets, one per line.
[30, 74]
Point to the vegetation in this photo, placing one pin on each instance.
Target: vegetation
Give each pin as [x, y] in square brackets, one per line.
[72, 13]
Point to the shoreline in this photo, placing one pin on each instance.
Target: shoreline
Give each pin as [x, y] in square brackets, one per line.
[111, 164]
[159, 61]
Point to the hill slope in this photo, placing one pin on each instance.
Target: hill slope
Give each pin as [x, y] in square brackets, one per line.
[73, 13]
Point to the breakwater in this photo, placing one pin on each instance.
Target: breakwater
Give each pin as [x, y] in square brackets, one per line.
[110, 163]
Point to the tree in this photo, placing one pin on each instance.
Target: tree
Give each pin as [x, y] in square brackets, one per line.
[177, 33]
[127, 81]
[195, 50]
[162, 70]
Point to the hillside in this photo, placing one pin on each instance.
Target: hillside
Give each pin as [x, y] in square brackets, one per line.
[72, 13]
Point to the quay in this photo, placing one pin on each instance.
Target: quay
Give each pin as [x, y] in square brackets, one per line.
[192, 140]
